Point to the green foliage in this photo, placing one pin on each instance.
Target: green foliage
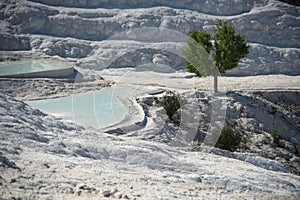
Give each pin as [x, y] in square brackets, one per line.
[203, 39]
[228, 140]
[276, 136]
[197, 56]
[229, 47]
[226, 50]
[190, 68]
[171, 102]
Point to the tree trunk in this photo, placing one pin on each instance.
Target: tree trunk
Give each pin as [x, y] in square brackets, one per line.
[215, 83]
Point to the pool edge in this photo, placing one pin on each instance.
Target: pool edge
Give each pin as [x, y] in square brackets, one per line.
[55, 73]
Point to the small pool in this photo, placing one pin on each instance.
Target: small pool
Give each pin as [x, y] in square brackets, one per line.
[99, 109]
[44, 68]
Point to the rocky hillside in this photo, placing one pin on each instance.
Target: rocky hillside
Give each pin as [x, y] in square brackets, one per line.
[78, 30]
[252, 115]
[43, 157]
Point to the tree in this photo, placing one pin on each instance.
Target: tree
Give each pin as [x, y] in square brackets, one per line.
[228, 140]
[276, 136]
[203, 39]
[171, 102]
[226, 50]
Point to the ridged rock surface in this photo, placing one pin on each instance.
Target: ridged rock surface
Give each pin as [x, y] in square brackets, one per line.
[42, 157]
[80, 29]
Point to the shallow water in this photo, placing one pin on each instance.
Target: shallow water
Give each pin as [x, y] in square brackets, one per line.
[28, 66]
[98, 109]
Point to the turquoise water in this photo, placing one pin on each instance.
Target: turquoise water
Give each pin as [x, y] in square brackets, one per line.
[98, 109]
[28, 66]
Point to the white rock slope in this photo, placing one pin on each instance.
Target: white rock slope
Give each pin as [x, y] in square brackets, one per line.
[42, 157]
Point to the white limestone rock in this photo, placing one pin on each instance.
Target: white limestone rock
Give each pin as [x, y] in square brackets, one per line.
[64, 164]
[271, 27]
[223, 7]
